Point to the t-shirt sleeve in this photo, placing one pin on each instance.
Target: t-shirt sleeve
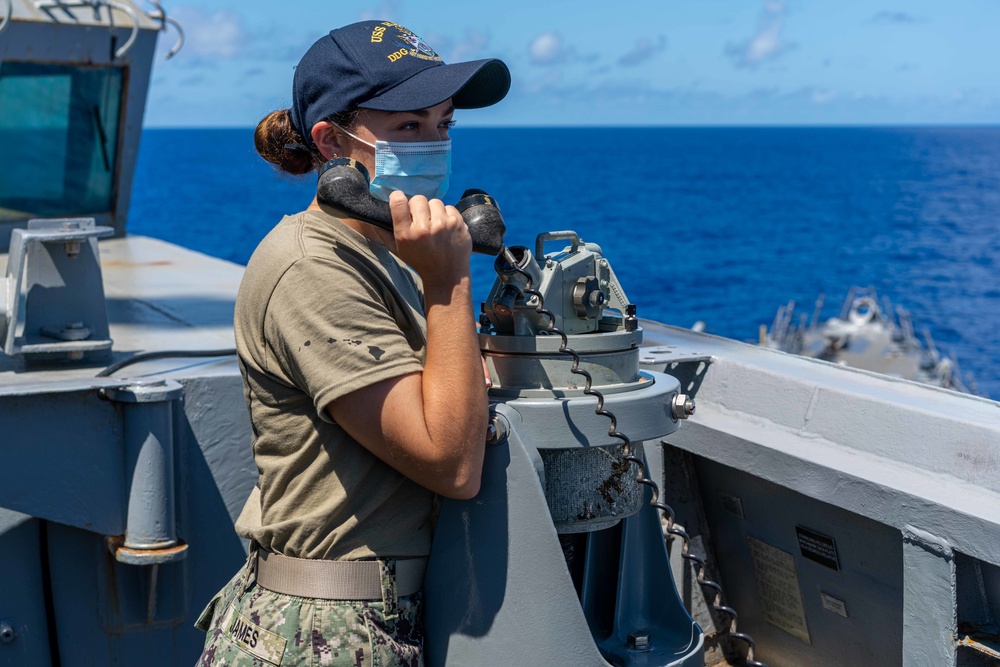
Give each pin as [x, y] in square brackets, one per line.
[330, 331]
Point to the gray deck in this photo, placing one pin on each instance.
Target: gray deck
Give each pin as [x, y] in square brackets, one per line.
[160, 297]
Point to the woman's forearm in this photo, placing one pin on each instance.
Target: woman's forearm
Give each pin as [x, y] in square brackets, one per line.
[455, 400]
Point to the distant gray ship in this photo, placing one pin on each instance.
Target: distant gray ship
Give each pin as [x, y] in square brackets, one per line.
[870, 334]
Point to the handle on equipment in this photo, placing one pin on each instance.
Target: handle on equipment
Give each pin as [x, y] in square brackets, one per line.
[540, 240]
[343, 192]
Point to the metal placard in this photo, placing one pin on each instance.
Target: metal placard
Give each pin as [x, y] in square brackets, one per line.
[778, 588]
[818, 548]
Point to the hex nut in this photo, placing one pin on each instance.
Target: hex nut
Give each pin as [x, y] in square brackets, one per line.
[682, 406]
[639, 641]
[497, 429]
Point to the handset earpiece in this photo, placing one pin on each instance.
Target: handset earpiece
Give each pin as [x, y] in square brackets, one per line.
[342, 191]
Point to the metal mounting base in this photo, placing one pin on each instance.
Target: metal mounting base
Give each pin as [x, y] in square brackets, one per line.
[52, 298]
[160, 556]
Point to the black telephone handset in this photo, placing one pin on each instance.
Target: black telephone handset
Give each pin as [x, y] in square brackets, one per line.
[343, 192]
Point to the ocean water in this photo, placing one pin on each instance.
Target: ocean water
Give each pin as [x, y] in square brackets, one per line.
[720, 225]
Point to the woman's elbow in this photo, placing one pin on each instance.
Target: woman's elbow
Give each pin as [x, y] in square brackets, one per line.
[465, 491]
[461, 484]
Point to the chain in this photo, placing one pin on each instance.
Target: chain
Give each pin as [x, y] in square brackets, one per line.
[628, 455]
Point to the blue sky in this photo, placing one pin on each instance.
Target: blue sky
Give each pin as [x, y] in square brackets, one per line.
[632, 62]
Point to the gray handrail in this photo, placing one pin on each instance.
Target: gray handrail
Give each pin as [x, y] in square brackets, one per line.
[120, 53]
[97, 4]
[161, 15]
[7, 13]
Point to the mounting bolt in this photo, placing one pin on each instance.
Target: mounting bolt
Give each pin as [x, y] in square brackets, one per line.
[6, 632]
[682, 406]
[639, 641]
[497, 430]
[68, 331]
[631, 321]
[72, 248]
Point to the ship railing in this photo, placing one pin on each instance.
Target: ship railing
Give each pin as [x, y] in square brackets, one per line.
[159, 15]
[845, 308]
[6, 11]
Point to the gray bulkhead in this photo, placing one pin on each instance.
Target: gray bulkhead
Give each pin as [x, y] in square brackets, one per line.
[855, 518]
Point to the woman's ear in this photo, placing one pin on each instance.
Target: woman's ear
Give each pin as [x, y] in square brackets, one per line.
[328, 139]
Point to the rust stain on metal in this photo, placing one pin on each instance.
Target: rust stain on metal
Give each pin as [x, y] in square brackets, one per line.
[983, 638]
[116, 544]
[112, 579]
[613, 486]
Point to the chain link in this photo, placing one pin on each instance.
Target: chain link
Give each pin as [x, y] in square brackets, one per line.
[627, 455]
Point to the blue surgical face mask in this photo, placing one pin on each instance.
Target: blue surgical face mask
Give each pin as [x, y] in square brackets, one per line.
[415, 167]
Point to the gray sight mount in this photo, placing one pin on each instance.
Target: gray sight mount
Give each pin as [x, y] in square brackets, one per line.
[562, 548]
[578, 286]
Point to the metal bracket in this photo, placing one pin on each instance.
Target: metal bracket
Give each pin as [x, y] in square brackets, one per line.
[688, 366]
[52, 297]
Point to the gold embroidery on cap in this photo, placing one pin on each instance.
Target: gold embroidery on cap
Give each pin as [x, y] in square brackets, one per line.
[409, 45]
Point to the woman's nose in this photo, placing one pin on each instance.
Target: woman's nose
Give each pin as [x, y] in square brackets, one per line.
[434, 133]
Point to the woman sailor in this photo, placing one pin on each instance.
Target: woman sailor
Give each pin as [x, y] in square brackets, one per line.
[361, 367]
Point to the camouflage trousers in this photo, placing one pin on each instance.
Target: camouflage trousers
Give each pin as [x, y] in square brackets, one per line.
[250, 625]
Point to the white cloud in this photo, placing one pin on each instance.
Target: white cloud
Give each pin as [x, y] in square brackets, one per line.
[767, 43]
[472, 46]
[548, 49]
[644, 49]
[543, 85]
[892, 17]
[218, 35]
[387, 11]
[823, 96]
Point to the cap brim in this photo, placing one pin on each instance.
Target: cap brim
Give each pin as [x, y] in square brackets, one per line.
[471, 85]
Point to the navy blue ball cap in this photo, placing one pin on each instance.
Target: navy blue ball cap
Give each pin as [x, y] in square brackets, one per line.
[381, 65]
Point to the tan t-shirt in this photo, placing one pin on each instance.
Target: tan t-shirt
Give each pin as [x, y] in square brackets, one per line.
[323, 311]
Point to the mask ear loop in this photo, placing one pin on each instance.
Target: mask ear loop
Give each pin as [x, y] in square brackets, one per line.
[350, 134]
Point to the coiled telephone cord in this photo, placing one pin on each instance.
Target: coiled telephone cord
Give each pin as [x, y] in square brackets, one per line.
[641, 478]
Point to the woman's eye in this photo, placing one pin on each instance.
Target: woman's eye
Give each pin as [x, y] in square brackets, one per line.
[448, 124]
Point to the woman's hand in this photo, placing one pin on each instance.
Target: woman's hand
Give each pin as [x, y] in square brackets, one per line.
[432, 238]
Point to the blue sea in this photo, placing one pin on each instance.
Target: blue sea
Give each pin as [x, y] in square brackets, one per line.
[720, 225]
